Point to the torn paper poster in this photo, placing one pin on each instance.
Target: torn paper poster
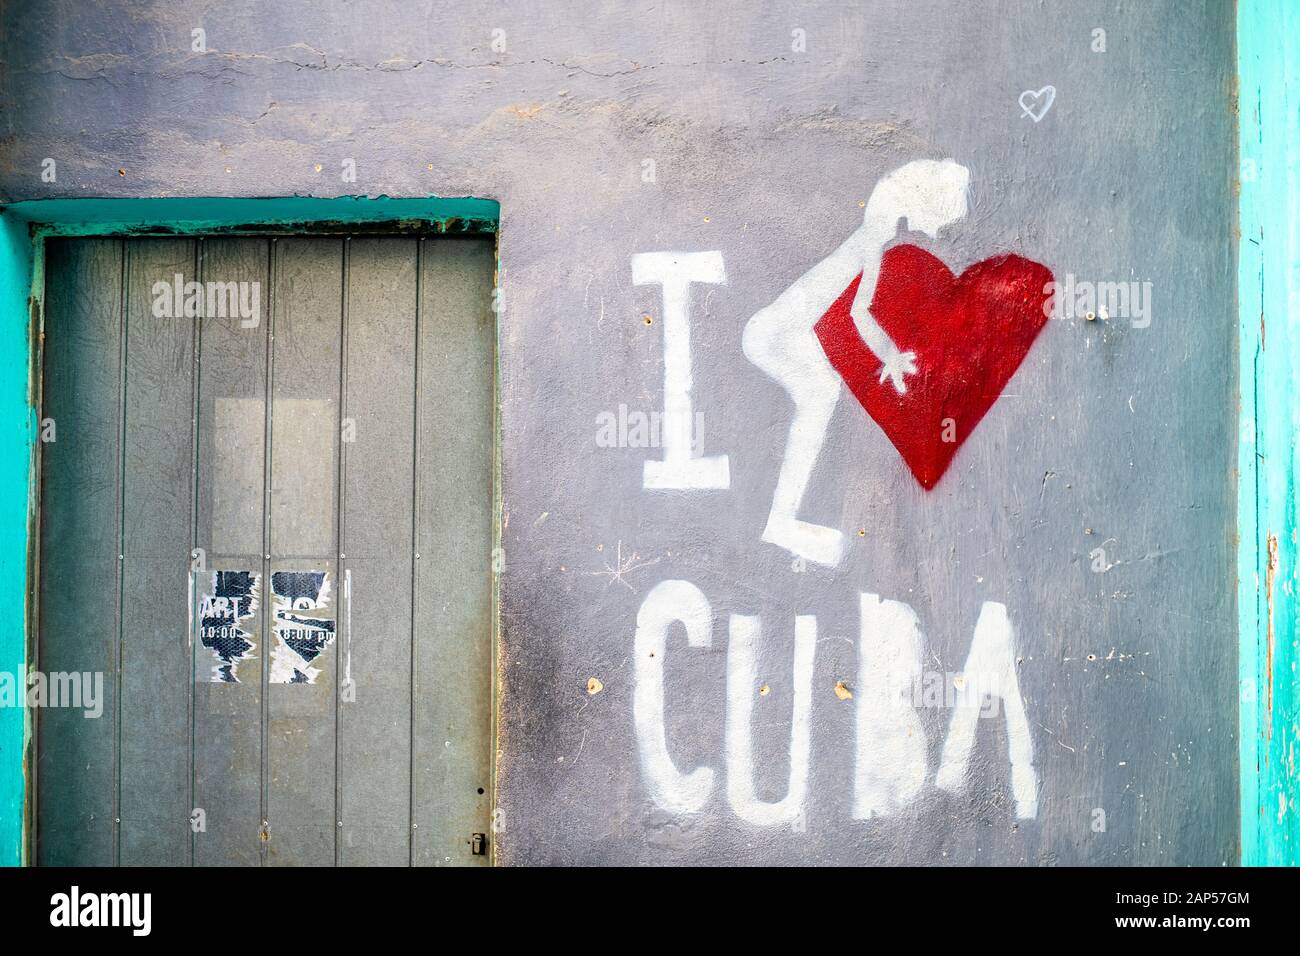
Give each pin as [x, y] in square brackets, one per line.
[229, 603]
[303, 626]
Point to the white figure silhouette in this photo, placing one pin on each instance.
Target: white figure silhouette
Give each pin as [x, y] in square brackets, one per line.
[780, 339]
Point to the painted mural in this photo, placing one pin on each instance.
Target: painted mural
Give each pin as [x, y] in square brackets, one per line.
[926, 353]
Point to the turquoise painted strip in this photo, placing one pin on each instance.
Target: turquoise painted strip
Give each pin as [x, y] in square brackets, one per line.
[1268, 53]
[209, 212]
[17, 429]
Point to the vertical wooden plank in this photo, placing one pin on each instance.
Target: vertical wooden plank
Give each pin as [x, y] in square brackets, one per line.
[228, 703]
[157, 496]
[1268, 510]
[304, 469]
[453, 613]
[374, 729]
[76, 772]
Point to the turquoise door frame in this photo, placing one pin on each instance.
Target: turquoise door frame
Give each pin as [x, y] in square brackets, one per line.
[23, 228]
[17, 433]
[1268, 284]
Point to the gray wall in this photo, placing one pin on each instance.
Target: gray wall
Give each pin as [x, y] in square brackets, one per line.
[1109, 435]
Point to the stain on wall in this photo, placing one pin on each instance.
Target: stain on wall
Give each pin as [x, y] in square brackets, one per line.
[1071, 552]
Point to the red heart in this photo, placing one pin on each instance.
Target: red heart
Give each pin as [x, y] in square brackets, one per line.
[969, 332]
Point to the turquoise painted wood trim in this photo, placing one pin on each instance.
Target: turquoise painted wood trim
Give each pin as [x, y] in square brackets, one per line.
[1268, 61]
[17, 430]
[23, 226]
[204, 214]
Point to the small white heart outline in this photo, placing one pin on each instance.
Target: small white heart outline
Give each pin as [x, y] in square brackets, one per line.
[1044, 98]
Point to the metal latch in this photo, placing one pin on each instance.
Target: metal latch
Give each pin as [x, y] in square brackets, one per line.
[478, 844]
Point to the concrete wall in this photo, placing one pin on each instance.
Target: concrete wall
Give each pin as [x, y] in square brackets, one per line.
[1094, 501]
